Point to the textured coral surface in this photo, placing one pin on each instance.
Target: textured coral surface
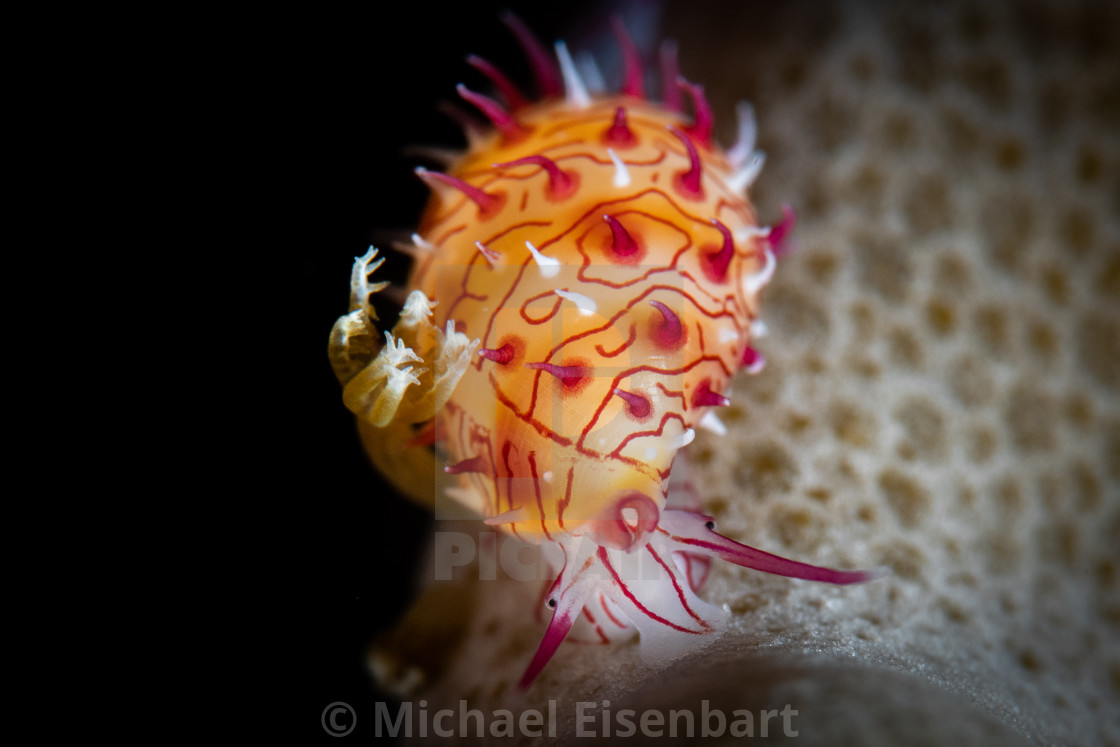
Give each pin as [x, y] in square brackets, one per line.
[942, 396]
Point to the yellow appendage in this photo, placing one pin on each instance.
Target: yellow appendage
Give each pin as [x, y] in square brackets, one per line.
[400, 384]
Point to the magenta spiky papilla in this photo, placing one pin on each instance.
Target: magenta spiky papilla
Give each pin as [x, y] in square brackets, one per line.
[487, 203]
[701, 129]
[561, 184]
[633, 74]
[495, 112]
[599, 255]
[512, 94]
[619, 134]
[688, 181]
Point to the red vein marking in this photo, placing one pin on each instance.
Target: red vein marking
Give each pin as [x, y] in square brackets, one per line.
[670, 393]
[699, 566]
[630, 372]
[506, 448]
[611, 322]
[737, 207]
[680, 591]
[524, 224]
[536, 425]
[591, 619]
[480, 440]
[563, 505]
[561, 152]
[729, 297]
[512, 287]
[665, 418]
[634, 600]
[629, 341]
[537, 490]
[465, 294]
[442, 239]
[607, 611]
[557, 300]
[600, 208]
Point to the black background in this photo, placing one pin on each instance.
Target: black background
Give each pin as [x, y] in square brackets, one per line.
[319, 114]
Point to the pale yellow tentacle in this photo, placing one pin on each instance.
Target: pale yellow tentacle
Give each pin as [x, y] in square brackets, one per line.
[382, 387]
[353, 342]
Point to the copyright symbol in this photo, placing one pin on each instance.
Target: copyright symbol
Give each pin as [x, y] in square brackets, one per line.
[339, 719]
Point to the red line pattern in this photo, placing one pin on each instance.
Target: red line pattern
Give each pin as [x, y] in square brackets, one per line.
[520, 419]
[674, 231]
[537, 490]
[671, 573]
[634, 600]
[624, 346]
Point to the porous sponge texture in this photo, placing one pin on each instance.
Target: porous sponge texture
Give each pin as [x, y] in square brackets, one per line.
[942, 395]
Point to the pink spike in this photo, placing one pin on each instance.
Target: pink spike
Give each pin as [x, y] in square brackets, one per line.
[491, 256]
[688, 182]
[638, 405]
[544, 68]
[501, 119]
[670, 71]
[696, 532]
[488, 204]
[705, 397]
[778, 233]
[557, 631]
[718, 261]
[566, 609]
[753, 361]
[619, 133]
[561, 184]
[569, 375]
[474, 464]
[670, 331]
[501, 355]
[701, 129]
[512, 94]
[622, 243]
[632, 76]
